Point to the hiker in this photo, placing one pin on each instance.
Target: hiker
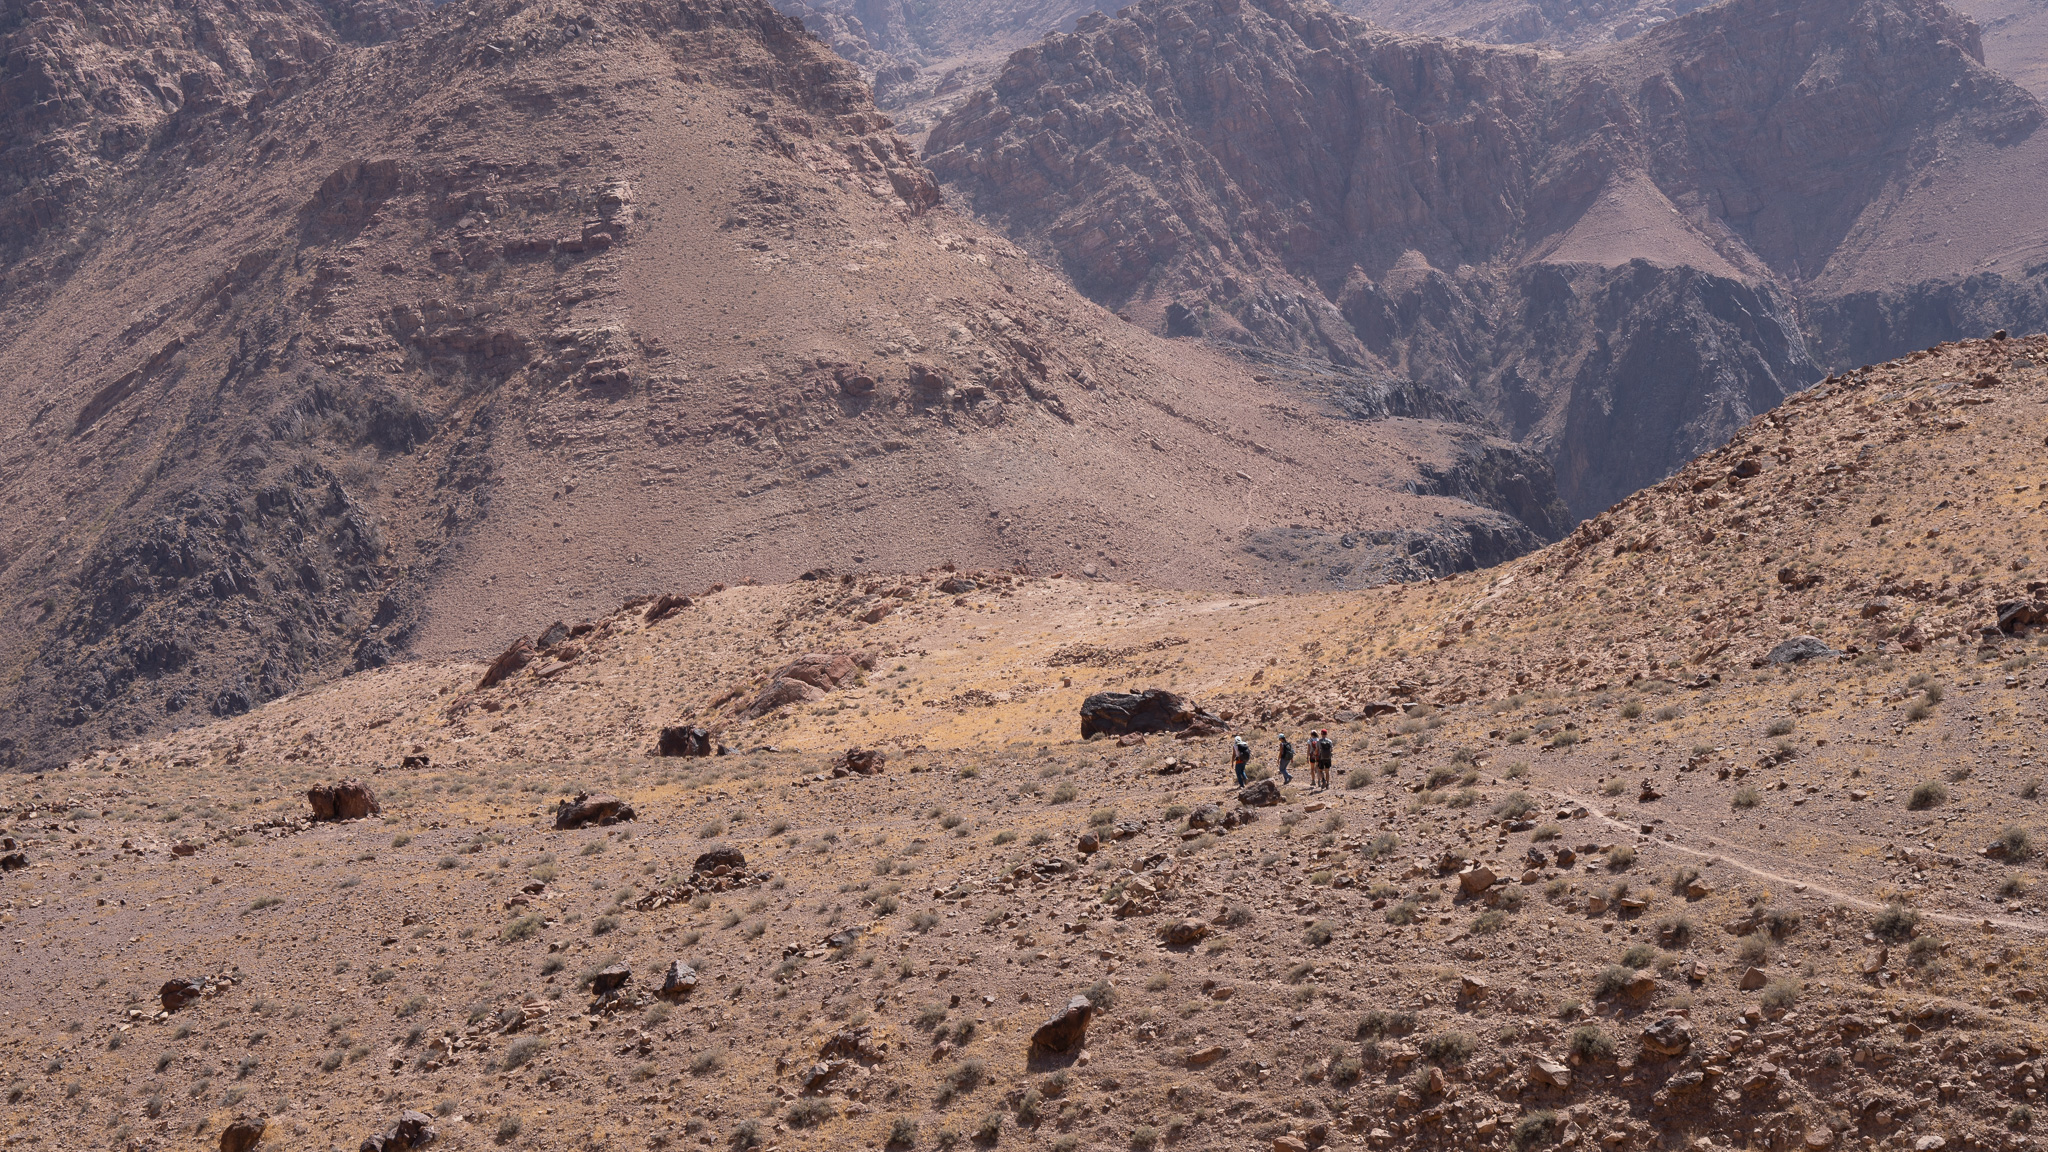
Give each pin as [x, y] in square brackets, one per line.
[1324, 752]
[1286, 758]
[1240, 755]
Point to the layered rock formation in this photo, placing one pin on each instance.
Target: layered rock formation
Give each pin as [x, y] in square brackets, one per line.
[1607, 255]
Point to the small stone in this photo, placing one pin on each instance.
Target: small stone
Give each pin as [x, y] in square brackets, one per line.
[1185, 933]
[1289, 1144]
[1202, 1056]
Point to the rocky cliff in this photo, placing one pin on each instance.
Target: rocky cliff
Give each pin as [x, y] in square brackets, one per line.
[1618, 257]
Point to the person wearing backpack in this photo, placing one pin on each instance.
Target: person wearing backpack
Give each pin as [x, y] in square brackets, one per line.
[1286, 758]
[1325, 752]
[1240, 756]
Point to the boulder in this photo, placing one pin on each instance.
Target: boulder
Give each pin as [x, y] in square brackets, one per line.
[1473, 987]
[1641, 986]
[679, 981]
[1752, 979]
[1549, 1073]
[731, 858]
[610, 978]
[856, 383]
[863, 761]
[587, 809]
[13, 861]
[555, 634]
[411, 1130]
[1207, 816]
[2017, 616]
[1260, 794]
[242, 1133]
[511, 660]
[781, 693]
[1184, 933]
[1671, 1036]
[1153, 710]
[1088, 844]
[348, 800]
[1798, 650]
[1066, 1031]
[958, 586]
[684, 740]
[1205, 1056]
[1476, 879]
[175, 994]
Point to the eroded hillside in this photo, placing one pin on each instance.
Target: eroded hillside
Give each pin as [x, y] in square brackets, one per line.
[526, 308]
[1716, 821]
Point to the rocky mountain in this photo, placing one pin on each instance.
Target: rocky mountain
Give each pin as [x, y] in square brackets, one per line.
[1619, 257]
[922, 56]
[406, 331]
[2015, 32]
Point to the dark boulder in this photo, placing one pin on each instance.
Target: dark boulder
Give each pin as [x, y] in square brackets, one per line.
[587, 809]
[176, 994]
[1260, 794]
[1066, 1031]
[1153, 710]
[242, 1133]
[2015, 617]
[684, 740]
[731, 858]
[610, 978]
[555, 634]
[1798, 650]
[348, 800]
[863, 761]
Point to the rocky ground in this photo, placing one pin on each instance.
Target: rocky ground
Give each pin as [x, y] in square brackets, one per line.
[1686, 829]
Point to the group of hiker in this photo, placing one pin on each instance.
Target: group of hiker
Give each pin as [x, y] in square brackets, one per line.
[1320, 751]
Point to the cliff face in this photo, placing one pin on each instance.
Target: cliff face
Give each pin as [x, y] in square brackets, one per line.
[1607, 255]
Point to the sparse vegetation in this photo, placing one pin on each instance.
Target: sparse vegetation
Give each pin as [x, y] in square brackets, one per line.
[1932, 794]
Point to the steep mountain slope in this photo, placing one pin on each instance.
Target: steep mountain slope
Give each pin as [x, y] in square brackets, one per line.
[2015, 32]
[1619, 257]
[423, 342]
[1593, 871]
[923, 56]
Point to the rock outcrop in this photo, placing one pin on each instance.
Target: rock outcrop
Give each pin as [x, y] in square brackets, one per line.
[346, 800]
[1153, 710]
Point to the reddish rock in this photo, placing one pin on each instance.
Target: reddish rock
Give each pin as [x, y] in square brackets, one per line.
[347, 800]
